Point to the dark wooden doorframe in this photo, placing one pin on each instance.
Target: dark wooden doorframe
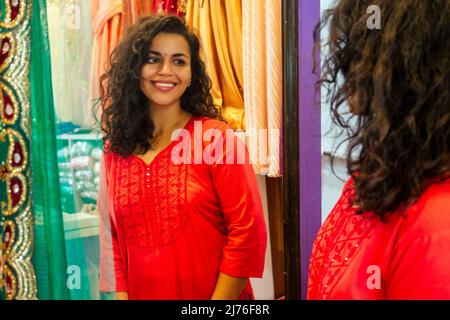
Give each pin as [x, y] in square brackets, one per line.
[301, 143]
[291, 170]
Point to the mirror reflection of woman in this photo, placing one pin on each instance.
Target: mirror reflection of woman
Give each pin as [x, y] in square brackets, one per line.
[388, 236]
[171, 230]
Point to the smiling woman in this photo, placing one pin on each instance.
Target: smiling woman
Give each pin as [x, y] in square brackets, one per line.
[167, 72]
[154, 54]
[172, 230]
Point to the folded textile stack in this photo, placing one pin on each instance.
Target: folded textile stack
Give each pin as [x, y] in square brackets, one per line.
[79, 166]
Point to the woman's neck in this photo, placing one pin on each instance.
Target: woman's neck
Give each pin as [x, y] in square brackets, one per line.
[168, 118]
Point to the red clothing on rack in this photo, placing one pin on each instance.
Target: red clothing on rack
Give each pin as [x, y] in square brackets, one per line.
[169, 229]
[360, 257]
[169, 7]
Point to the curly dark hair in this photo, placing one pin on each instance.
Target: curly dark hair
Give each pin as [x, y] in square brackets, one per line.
[125, 116]
[396, 81]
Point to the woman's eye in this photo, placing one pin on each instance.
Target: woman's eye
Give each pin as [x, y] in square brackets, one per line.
[152, 60]
[179, 62]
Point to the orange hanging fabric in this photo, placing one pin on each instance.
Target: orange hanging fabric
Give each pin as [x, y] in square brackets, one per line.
[219, 24]
[107, 30]
[134, 9]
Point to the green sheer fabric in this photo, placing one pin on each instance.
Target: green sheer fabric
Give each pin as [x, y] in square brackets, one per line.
[49, 251]
[66, 237]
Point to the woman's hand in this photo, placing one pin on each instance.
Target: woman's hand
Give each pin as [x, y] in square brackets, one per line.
[228, 287]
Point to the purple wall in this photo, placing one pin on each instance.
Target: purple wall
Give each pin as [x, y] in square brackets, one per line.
[310, 151]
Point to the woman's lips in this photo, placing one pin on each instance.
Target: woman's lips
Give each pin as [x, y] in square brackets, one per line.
[163, 86]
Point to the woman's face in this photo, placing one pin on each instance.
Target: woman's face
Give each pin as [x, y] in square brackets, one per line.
[166, 72]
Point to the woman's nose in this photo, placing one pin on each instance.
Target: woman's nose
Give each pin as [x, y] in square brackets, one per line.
[165, 68]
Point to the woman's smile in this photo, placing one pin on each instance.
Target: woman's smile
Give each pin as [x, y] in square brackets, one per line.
[163, 86]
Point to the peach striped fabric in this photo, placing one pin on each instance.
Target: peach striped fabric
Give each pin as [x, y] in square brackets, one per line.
[262, 69]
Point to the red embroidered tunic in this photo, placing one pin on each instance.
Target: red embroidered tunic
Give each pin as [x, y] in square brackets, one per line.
[360, 257]
[168, 229]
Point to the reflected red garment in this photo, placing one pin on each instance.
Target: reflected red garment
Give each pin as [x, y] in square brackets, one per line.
[173, 227]
[360, 257]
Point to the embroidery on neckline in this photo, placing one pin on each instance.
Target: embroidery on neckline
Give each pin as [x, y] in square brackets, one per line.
[150, 201]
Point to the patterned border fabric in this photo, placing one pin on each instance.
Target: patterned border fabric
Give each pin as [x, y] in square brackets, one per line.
[17, 279]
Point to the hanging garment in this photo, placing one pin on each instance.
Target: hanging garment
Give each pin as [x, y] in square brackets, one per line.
[70, 33]
[20, 32]
[219, 25]
[49, 256]
[360, 257]
[133, 10]
[168, 229]
[169, 7]
[263, 86]
[107, 30]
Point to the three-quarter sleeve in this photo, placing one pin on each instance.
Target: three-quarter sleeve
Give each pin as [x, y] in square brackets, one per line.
[236, 187]
[112, 271]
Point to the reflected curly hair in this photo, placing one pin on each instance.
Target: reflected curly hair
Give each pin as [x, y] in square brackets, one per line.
[396, 81]
[125, 116]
